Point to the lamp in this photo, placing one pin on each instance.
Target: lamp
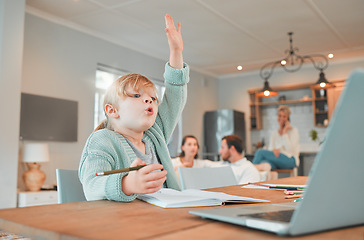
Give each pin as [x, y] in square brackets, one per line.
[266, 91]
[322, 82]
[35, 153]
[292, 63]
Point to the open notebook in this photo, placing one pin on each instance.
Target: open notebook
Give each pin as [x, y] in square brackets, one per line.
[170, 198]
[334, 194]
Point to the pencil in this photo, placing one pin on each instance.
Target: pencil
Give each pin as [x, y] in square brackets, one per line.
[293, 191]
[289, 187]
[278, 187]
[259, 184]
[293, 196]
[286, 187]
[119, 170]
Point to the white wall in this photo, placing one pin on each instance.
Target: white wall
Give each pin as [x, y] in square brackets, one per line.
[61, 62]
[11, 50]
[233, 90]
[202, 97]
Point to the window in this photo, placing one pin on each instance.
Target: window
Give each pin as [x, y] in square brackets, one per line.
[104, 77]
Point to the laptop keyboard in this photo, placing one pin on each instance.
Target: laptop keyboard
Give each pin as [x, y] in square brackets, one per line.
[282, 216]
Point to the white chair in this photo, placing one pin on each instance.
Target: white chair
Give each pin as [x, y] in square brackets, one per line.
[69, 187]
[202, 178]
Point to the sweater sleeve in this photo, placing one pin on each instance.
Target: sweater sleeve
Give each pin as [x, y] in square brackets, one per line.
[174, 100]
[101, 154]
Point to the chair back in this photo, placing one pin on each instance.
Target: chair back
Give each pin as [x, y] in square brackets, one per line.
[69, 187]
[209, 177]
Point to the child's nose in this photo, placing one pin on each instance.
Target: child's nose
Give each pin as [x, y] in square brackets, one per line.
[148, 101]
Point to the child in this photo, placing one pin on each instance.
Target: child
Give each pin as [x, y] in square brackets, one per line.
[137, 131]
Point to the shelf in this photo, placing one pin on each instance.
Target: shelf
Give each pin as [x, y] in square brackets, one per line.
[284, 102]
[321, 99]
[322, 112]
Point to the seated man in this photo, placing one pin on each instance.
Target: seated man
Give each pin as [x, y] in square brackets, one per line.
[231, 152]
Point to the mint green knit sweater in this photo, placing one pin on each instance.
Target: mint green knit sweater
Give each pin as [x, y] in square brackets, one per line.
[108, 150]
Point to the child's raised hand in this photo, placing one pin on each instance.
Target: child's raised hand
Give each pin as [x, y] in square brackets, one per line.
[145, 180]
[174, 35]
[175, 42]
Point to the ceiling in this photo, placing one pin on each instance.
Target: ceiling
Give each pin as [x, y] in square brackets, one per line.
[218, 35]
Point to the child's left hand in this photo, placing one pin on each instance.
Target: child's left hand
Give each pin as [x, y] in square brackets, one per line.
[174, 34]
[148, 179]
[175, 42]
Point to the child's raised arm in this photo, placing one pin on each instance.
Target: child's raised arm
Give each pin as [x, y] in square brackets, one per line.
[175, 43]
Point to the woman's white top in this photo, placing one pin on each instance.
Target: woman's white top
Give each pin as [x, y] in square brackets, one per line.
[197, 163]
[288, 144]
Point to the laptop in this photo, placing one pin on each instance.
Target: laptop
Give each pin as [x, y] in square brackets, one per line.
[334, 195]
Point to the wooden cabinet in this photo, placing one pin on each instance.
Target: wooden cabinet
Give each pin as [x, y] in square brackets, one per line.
[255, 112]
[320, 107]
[333, 95]
[323, 101]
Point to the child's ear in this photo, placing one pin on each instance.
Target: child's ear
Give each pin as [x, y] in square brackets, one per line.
[111, 111]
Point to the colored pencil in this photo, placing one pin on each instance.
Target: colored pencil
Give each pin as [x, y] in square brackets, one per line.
[278, 186]
[259, 184]
[287, 187]
[293, 196]
[290, 192]
[293, 193]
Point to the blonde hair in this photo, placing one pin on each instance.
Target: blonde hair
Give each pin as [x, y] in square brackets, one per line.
[118, 89]
[285, 109]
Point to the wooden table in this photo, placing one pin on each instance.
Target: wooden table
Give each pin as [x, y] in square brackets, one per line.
[139, 220]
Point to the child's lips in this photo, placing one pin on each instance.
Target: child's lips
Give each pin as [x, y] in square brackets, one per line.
[149, 111]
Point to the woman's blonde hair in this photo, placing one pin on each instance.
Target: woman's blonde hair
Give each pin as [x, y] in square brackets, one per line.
[118, 89]
[285, 109]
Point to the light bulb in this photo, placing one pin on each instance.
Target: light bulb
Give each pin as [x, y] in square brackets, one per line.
[239, 68]
[330, 55]
[266, 93]
[283, 62]
[322, 84]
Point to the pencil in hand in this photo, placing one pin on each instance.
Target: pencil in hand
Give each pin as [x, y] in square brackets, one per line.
[119, 170]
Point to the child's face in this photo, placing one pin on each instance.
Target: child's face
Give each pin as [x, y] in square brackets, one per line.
[137, 111]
